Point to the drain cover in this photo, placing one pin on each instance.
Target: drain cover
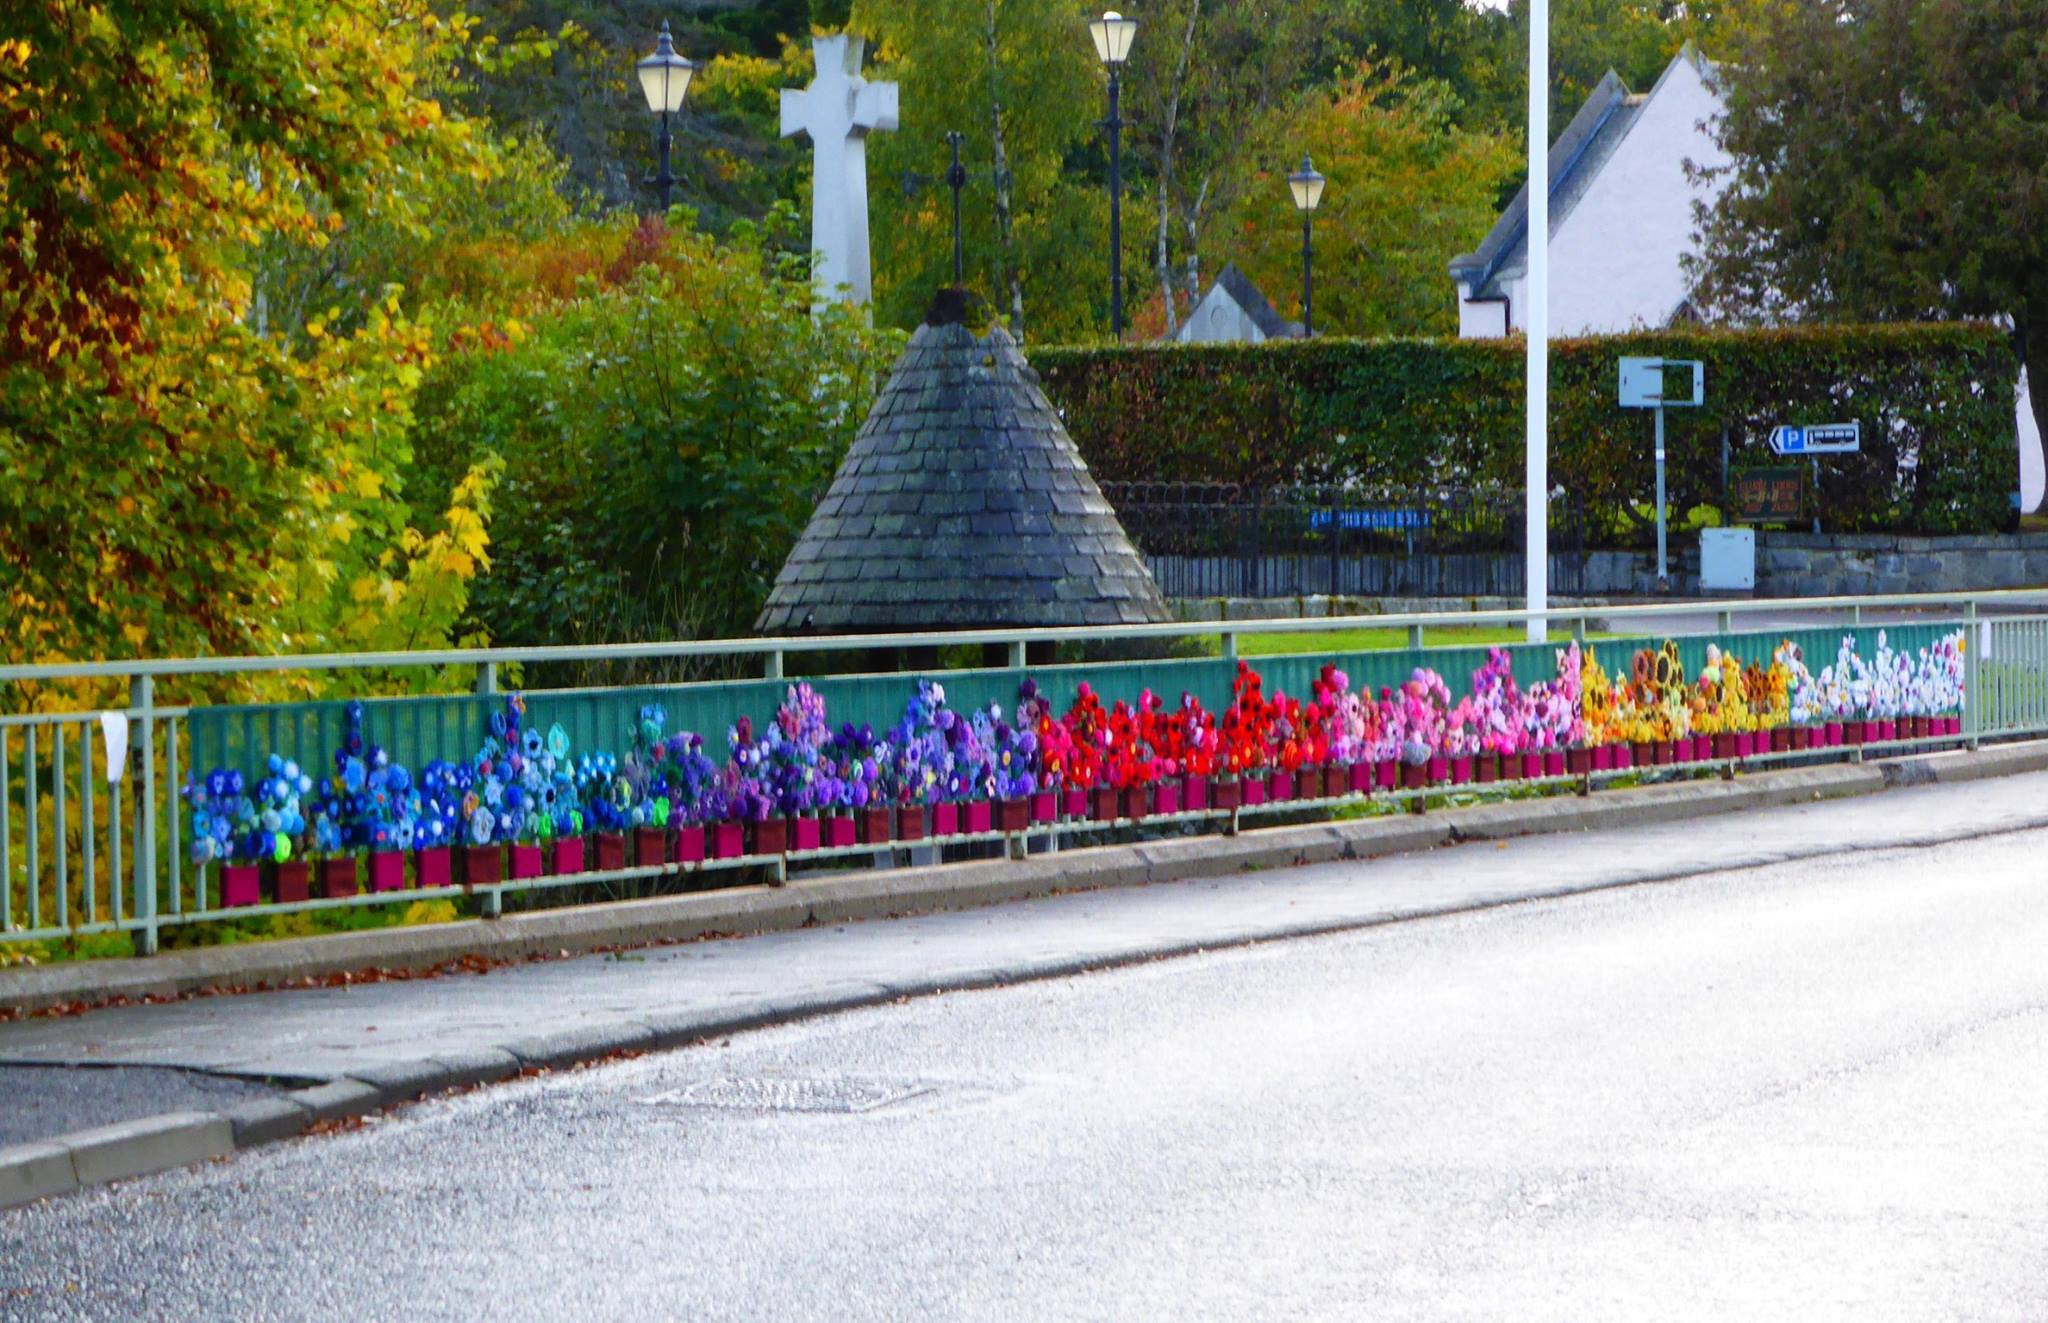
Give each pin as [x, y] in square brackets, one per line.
[777, 1094]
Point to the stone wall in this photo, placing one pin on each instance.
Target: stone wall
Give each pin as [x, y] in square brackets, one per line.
[1787, 565]
[1828, 564]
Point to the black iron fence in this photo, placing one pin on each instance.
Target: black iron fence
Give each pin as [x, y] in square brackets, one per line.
[1218, 540]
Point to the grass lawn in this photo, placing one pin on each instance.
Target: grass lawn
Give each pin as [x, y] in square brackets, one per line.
[1377, 640]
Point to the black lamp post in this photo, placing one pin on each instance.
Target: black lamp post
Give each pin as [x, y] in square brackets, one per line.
[1308, 195]
[956, 179]
[664, 77]
[1113, 33]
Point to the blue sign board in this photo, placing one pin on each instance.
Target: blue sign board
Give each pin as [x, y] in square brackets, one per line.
[1369, 519]
[1825, 439]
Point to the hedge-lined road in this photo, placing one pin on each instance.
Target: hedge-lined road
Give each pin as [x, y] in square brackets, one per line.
[1805, 1090]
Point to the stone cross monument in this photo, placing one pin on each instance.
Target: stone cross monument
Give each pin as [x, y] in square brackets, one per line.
[838, 110]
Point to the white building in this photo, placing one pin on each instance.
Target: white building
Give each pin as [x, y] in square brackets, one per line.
[1621, 220]
[1235, 312]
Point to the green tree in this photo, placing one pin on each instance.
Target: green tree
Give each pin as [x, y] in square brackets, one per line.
[1019, 80]
[665, 434]
[175, 477]
[1888, 163]
[1407, 185]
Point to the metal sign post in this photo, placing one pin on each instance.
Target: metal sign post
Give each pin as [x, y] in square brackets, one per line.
[1643, 386]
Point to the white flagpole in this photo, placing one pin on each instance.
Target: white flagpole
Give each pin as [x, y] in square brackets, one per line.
[1537, 315]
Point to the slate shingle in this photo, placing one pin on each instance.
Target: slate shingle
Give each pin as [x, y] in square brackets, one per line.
[965, 484]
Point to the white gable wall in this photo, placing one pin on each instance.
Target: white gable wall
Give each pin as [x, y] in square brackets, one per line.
[1615, 260]
[1217, 319]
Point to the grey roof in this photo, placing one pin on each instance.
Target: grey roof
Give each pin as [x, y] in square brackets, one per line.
[963, 503]
[1576, 159]
[1256, 305]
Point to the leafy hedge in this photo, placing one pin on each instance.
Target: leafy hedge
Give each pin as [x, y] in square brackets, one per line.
[1935, 401]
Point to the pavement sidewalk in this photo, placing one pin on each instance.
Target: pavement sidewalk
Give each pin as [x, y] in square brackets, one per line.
[183, 1081]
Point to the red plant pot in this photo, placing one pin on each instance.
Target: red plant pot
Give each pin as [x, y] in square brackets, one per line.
[1781, 740]
[1103, 805]
[1554, 762]
[565, 855]
[610, 851]
[433, 867]
[526, 862]
[1853, 732]
[1013, 814]
[1753, 743]
[1599, 758]
[877, 823]
[1664, 753]
[910, 822]
[1414, 776]
[1796, 737]
[1044, 806]
[387, 870]
[805, 833]
[1137, 801]
[979, 815]
[1279, 785]
[1166, 797]
[290, 881]
[841, 830]
[240, 884]
[1253, 790]
[1387, 774]
[1360, 778]
[1229, 793]
[1074, 803]
[726, 840]
[1439, 770]
[1194, 793]
[689, 843]
[945, 819]
[650, 847]
[479, 865]
[1724, 745]
[1461, 770]
[768, 836]
[1486, 768]
[336, 877]
[1642, 754]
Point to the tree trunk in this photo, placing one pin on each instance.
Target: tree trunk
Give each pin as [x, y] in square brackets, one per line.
[1169, 134]
[1191, 227]
[1007, 269]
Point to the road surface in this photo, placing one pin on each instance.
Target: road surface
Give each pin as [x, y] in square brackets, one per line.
[1802, 1090]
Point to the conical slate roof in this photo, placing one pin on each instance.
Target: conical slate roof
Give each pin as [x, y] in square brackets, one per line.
[963, 503]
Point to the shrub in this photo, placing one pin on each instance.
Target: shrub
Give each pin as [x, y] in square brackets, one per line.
[1935, 401]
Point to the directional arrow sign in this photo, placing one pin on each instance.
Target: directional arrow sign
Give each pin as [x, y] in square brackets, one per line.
[1826, 439]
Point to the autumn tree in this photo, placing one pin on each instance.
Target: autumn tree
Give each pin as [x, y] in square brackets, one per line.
[173, 477]
[1407, 185]
[1888, 162]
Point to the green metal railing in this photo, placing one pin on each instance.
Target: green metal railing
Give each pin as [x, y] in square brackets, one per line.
[92, 847]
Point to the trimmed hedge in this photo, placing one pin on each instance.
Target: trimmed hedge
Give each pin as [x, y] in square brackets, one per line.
[1935, 401]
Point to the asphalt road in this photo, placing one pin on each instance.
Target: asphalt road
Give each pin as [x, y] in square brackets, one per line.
[1807, 1090]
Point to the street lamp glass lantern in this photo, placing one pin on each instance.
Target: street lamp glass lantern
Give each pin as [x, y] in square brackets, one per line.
[665, 75]
[1308, 186]
[1113, 34]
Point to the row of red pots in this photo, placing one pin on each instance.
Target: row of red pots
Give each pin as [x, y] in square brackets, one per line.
[338, 878]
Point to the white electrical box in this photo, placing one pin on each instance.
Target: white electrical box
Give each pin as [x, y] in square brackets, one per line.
[1728, 560]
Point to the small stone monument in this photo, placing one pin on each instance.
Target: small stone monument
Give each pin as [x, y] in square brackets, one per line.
[963, 503]
[838, 110]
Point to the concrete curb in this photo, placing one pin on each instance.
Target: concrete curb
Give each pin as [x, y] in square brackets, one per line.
[67, 1163]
